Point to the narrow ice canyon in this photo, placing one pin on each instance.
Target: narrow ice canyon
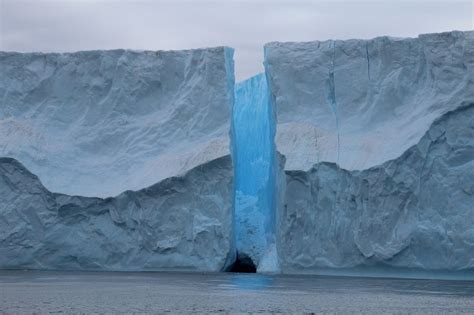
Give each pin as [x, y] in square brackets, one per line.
[343, 155]
[254, 158]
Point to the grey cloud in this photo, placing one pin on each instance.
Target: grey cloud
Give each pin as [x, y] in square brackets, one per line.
[245, 25]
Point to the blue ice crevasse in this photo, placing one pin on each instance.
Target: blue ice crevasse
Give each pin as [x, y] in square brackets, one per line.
[254, 158]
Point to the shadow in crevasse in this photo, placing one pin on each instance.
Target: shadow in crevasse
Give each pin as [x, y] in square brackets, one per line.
[243, 263]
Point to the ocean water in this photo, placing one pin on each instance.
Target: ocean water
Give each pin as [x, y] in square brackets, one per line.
[28, 292]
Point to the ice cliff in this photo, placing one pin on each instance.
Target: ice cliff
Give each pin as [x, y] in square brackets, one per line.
[150, 128]
[360, 103]
[379, 147]
[180, 223]
[97, 123]
[343, 154]
[415, 211]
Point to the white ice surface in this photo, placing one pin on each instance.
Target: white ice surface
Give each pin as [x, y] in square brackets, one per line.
[98, 123]
[360, 103]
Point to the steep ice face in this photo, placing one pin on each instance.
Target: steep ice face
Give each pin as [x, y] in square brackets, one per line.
[254, 159]
[98, 123]
[180, 223]
[101, 122]
[378, 142]
[413, 212]
[360, 103]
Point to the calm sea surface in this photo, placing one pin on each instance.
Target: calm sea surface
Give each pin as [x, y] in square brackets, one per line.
[28, 292]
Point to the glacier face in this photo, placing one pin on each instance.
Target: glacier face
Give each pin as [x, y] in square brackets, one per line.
[345, 154]
[377, 137]
[416, 211]
[98, 123]
[254, 156]
[104, 123]
[360, 103]
[180, 223]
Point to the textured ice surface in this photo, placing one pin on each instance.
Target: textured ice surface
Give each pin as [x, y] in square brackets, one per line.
[105, 123]
[98, 123]
[360, 103]
[254, 165]
[377, 136]
[180, 223]
[416, 211]
[368, 182]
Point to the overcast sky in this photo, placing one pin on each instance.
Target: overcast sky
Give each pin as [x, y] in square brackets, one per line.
[71, 25]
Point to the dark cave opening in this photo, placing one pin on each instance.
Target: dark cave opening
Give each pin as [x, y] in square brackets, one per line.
[243, 263]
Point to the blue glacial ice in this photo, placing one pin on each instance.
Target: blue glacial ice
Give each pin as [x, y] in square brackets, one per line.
[254, 158]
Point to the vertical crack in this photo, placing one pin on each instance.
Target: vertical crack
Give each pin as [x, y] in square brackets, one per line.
[254, 204]
[332, 95]
[368, 59]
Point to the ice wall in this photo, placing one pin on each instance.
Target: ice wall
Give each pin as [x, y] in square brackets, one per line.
[98, 123]
[150, 128]
[254, 158]
[180, 223]
[360, 103]
[413, 212]
[377, 136]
